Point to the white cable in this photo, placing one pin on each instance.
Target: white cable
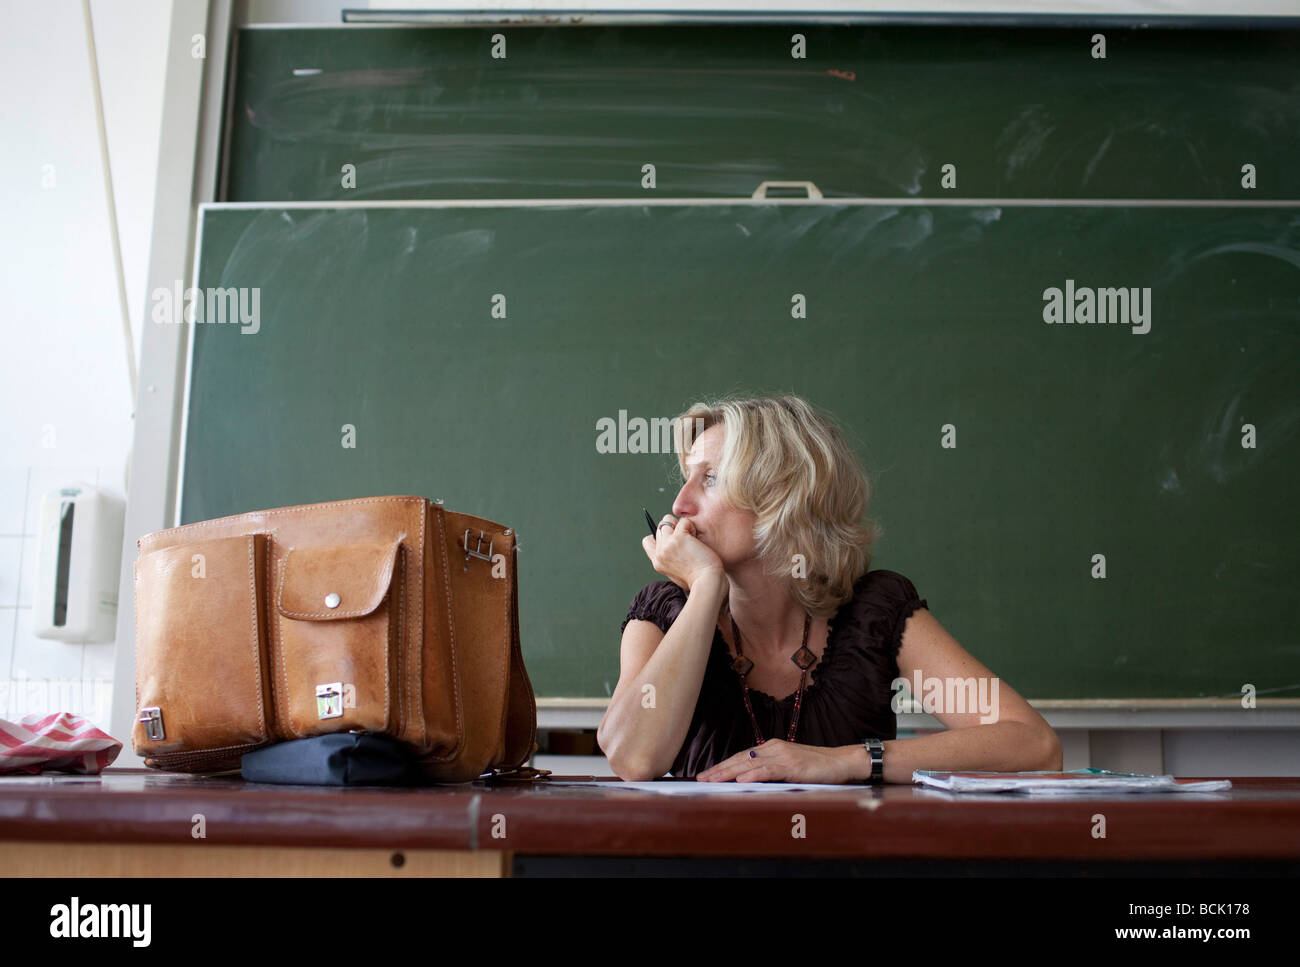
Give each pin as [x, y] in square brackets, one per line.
[108, 192]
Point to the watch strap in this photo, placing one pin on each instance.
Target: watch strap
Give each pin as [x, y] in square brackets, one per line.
[876, 750]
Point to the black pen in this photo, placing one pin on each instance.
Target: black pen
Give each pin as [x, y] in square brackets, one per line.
[650, 521]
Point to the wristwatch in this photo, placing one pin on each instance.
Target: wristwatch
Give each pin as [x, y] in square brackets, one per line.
[876, 749]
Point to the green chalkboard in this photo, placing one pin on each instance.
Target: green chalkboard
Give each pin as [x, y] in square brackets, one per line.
[866, 111]
[925, 328]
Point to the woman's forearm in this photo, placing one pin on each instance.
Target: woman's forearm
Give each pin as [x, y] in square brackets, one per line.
[1000, 747]
[641, 738]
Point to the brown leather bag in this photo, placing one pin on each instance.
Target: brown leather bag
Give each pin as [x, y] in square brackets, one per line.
[382, 614]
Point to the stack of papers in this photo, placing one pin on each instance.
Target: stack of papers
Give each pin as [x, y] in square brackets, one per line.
[1063, 783]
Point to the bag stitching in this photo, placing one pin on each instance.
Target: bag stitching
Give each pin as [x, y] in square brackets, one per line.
[135, 571]
[388, 688]
[415, 682]
[257, 652]
[150, 538]
[284, 674]
[187, 752]
[505, 668]
[451, 638]
[272, 646]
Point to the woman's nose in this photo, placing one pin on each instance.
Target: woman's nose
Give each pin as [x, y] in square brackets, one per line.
[683, 505]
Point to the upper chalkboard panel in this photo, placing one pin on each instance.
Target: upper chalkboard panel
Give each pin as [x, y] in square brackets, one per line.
[878, 111]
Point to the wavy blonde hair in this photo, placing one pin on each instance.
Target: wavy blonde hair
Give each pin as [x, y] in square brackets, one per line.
[791, 466]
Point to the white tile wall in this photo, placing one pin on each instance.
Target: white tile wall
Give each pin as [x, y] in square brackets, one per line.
[13, 499]
[11, 549]
[26, 570]
[7, 618]
[41, 657]
[62, 354]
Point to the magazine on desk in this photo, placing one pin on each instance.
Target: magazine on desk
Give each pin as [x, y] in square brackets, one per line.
[1062, 783]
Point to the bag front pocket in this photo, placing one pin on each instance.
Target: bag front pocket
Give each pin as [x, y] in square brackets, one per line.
[339, 616]
[200, 650]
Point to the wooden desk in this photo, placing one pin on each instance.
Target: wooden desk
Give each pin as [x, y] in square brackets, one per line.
[137, 822]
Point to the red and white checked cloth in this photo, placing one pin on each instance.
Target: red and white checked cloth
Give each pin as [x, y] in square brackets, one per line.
[61, 742]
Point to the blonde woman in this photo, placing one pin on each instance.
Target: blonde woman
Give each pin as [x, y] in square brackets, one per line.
[771, 649]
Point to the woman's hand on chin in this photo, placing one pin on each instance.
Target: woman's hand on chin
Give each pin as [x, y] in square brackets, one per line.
[679, 555]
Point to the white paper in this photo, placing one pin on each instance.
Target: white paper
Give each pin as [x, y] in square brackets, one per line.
[697, 788]
[1083, 782]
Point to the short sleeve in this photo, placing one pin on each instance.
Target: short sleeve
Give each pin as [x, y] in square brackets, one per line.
[659, 602]
[903, 600]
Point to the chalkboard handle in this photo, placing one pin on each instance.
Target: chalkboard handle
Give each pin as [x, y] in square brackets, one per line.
[813, 192]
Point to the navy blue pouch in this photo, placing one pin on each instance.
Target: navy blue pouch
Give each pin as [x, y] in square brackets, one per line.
[340, 759]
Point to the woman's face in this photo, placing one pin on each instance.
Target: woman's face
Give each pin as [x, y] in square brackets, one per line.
[729, 532]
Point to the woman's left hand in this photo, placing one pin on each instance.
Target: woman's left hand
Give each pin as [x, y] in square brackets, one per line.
[780, 761]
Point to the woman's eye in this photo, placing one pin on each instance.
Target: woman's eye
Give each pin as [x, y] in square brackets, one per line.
[710, 477]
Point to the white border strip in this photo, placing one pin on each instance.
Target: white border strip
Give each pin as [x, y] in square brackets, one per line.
[745, 200]
[1254, 16]
[175, 517]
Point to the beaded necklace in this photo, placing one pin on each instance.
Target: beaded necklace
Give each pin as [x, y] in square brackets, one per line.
[803, 658]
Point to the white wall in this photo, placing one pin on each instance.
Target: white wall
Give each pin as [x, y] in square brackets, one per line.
[64, 388]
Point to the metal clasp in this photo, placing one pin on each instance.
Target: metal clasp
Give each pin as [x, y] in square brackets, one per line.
[478, 548]
[329, 700]
[152, 719]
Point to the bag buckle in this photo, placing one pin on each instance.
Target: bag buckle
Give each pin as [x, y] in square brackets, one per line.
[515, 774]
[152, 719]
[478, 548]
[329, 700]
